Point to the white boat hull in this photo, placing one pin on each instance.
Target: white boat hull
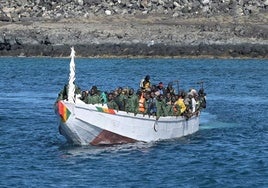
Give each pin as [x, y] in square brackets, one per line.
[97, 125]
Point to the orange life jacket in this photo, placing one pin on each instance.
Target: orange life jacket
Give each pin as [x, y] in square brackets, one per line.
[141, 103]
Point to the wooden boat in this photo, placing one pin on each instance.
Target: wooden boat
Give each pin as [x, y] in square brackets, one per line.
[88, 124]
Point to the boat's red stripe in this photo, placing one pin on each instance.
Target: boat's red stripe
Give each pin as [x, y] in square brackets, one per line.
[108, 138]
[61, 108]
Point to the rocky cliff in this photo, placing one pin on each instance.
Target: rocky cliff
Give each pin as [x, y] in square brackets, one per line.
[177, 28]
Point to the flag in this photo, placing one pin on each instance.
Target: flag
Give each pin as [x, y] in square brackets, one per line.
[63, 111]
[105, 110]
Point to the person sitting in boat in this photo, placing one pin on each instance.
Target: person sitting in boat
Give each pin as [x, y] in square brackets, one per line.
[152, 104]
[145, 83]
[93, 97]
[63, 95]
[120, 98]
[84, 96]
[132, 102]
[111, 103]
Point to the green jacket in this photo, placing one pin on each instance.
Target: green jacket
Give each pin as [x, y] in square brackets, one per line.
[132, 104]
[93, 99]
[112, 104]
[161, 108]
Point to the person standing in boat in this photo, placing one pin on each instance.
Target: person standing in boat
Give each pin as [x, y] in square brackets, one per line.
[201, 99]
[170, 89]
[193, 95]
[161, 88]
[170, 100]
[179, 106]
[141, 97]
[120, 98]
[152, 104]
[132, 102]
[145, 83]
[161, 106]
[190, 104]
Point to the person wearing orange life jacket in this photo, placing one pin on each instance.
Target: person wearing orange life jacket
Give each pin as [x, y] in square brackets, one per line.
[141, 102]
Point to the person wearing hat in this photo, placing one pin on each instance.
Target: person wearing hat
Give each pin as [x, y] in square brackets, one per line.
[161, 88]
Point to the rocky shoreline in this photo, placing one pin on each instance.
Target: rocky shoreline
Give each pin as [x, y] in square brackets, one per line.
[128, 28]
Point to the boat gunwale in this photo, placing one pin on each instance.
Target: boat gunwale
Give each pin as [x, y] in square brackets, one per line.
[138, 116]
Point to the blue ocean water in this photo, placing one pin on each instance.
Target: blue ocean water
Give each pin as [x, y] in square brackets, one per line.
[230, 150]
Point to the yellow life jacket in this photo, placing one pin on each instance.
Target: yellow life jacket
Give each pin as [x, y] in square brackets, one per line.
[181, 104]
[147, 85]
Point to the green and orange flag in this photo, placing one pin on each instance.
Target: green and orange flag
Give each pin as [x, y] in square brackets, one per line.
[63, 111]
[105, 110]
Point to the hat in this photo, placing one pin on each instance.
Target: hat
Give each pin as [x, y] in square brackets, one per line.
[193, 92]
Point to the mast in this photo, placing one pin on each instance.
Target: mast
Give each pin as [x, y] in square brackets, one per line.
[71, 90]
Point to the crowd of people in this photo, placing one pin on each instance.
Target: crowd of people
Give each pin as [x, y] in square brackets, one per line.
[149, 99]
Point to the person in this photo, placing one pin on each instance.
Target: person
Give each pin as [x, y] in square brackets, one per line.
[111, 103]
[161, 88]
[103, 97]
[145, 83]
[152, 104]
[189, 107]
[132, 102]
[84, 96]
[179, 105]
[93, 97]
[170, 88]
[161, 106]
[120, 98]
[201, 99]
[170, 101]
[147, 96]
[141, 101]
[193, 103]
[63, 95]
[193, 96]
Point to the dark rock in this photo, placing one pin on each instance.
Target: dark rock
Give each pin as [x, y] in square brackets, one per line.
[187, 27]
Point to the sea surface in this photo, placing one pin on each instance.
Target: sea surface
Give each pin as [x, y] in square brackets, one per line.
[229, 150]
